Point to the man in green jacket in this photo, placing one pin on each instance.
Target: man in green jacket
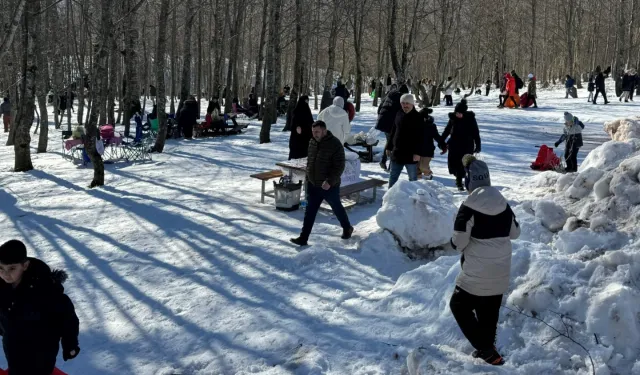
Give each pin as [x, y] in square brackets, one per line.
[325, 164]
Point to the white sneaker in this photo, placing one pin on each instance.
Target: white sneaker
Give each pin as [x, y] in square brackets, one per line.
[427, 177]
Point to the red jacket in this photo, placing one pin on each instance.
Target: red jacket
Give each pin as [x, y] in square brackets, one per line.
[511, 84]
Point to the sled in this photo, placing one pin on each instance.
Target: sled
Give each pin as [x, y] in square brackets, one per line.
[573, 92]
[525, 102]
[351, 110]
[56, 371]
[509, 102]
[546, 160]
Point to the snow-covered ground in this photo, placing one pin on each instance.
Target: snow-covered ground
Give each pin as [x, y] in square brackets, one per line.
[176, 268]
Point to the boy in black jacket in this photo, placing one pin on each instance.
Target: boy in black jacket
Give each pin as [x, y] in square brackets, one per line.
[35, 314]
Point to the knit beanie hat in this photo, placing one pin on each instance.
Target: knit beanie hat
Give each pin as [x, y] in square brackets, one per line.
[462, 106]
[477, 173]
[407, 98]
[338, 101]
[568, 117]
[13, 252]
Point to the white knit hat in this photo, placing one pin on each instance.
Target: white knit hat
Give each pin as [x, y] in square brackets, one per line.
[407, 98]
[530, 75]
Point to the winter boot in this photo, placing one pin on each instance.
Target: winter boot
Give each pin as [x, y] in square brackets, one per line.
[492, 356]
[346, 233]
[383, 165]
[428, 177]
[300, 241]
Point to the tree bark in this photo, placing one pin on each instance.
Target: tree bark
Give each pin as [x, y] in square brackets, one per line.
[26, 105]
[42, 80]
[160, 66]
[185, 89]
[263, 34]
[132, 92]
[271, 91]
[297, 67]
[233, 57]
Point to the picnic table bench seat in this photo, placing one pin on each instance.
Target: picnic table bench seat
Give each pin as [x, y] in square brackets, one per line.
[264, 177]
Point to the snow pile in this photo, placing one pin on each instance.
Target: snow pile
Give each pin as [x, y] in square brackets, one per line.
[419, 213]
[577, 294]
[551, 215]
[609, 155]
[623, 129]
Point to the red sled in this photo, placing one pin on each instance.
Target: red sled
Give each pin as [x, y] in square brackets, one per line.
[546, 160]
[351, 110]
[56, 371]
[525, 101]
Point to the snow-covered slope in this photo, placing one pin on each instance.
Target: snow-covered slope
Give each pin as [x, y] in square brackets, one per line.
[175, 266]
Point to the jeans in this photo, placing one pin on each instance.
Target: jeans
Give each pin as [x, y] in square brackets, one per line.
[479, 328]
[396, 169]
[384, 153]
[604, 95]
[315, 196]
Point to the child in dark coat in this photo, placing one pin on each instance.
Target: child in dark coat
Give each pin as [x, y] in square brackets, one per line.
[427, 149]
[35, 314]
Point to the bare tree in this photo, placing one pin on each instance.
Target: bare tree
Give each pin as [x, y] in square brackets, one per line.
[160, 66]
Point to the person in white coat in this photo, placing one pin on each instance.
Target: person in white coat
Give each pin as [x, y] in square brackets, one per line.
[449, 86]
[337, 119]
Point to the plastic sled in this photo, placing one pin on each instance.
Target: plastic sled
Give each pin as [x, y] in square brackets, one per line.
[509, 102]
[525, 102]
[56, 371]
[546, 160]
[351, 110]
[573, 92]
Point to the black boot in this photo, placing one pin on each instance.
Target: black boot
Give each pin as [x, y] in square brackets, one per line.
[300, 241]
[492, 356]
[346, 233]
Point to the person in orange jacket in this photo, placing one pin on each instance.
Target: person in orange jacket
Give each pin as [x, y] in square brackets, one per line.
[510, 89]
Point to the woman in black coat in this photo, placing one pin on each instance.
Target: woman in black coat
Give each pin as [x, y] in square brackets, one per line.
[464, 138]
[301, 121]
[188, 117]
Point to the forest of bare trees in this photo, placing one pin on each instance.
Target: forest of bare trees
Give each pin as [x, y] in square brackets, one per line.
[118, 49]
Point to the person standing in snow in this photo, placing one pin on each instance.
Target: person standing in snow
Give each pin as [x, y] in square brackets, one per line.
[5, 109]
[325, 164]
[35, 313]
[628, 82]
[406, 141]
[531, 89]
[568, 86]
[572, 135]
[487, 87]
[510, 90]
[387, 115]
[448, 91]
[426, 149]
[518, 81]
[372, 86]
[483, 230]
[600, 89]
[336, 119]
[301, 122]
[343, 92]
[464, 138]
[591, 86]
[389, 82]
[188, 117]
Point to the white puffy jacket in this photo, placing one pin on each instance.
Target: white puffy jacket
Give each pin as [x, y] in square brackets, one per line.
[449, 91]
[337, 119]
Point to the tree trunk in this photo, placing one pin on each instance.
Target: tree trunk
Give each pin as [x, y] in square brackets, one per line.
[233, 57]
[42, 80]
[26, 105]
[7, 41]
[174, 33]
[271, 92]
[333, 38]
[263, 34]
[132, 92]
[297, 67]
[160, 66]
[185, 89]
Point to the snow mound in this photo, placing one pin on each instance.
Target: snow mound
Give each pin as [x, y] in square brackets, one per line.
[545, 179]
[419, 213]
[583, 184]
[609, 155]
[584, 238]
[623, 129]
[625, 182]
[565, 181]
[551, 215]
[531, 228]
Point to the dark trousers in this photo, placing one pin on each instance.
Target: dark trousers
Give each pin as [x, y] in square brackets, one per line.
[604, 95]
[384, 153]
[571, 158]
[188, 131]
[448, 99]
[487, 92]
[477, 317]
[315, 196]
[459, 176]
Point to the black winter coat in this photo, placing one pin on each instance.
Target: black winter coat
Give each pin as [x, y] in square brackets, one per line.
[389, 108]
[299, 143]
[188, 114]
[343, 92]
[327, 100]
[429, 135]
[406, 137]
[628, 82]
[600, 81]
[326, 161]
[464, 138]
[34, 318]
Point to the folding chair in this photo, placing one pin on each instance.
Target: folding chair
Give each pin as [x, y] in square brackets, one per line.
[137, 148]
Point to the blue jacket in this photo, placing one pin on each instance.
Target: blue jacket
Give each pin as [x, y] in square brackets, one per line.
[570, 82]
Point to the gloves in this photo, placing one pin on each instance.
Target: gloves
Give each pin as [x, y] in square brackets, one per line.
[67, 354]
[557, 144]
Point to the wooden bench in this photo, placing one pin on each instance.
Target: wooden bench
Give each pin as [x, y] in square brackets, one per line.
[355, 189]
[264, 177]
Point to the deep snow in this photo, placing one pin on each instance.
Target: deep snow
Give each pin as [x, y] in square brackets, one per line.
[177, 268]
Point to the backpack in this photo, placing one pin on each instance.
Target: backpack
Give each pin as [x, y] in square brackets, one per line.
[519, 83]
